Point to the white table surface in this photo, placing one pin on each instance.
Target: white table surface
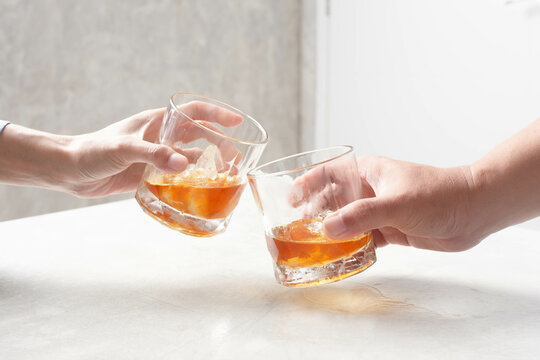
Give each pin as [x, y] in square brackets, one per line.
[108, 282]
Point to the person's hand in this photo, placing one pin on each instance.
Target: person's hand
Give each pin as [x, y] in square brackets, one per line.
[441, 209]
[327, 187]
[112, 160]
[405, 203]
[108, 161]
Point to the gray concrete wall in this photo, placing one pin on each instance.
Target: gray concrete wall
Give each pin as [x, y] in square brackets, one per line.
[76, 66]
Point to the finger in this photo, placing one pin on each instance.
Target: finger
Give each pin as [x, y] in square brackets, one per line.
[198, 129]
[144, 125]
[330, 198]
[191, 132]
[229, 152]
[317, 204]
[226, 146]
[198, 110]
[373, 170]
[304, 186]
[231, 170]
[219, 138]
[191, 154]
[342, 172]
[161, 156]
[361, 216]
[153, 118]
[378, 239]
[393, 236]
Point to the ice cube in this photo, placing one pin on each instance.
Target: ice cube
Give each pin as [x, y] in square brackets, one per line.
[210, 162]
[316, 226]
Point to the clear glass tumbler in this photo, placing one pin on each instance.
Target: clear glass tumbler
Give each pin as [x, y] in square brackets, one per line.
[221, 144]
[294, 195]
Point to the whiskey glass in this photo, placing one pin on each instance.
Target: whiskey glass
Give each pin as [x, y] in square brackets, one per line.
[221, 144]
[294, 195]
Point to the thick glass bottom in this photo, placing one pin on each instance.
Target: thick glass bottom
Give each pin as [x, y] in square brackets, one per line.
[327, 273]
[179, 221]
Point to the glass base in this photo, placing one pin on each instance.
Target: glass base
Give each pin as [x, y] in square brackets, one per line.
[179, 221]
[327, 273]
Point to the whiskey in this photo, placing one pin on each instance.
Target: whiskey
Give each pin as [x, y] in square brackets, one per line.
[303, 243]
[196, 195]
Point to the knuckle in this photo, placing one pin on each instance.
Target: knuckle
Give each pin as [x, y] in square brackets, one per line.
[160, 154]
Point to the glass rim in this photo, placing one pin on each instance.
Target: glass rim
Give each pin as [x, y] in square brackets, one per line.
[348, 149]
[202, 97]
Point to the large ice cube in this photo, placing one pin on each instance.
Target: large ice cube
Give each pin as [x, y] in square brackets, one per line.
[210, 162]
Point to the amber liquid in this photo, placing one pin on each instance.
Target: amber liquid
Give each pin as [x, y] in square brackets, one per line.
[201, 197]
[302, 243]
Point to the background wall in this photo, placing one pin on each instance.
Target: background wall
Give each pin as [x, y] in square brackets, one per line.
[72, 67]
[436, 82]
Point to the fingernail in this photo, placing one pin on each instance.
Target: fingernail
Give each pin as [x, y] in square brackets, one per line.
[177, 162]
[334, 226]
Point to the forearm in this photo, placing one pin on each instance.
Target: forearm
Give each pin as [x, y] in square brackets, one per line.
[33, 158]
[507, 181]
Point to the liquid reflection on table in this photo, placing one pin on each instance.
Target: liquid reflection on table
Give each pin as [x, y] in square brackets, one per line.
[78, 285]
[362, 300]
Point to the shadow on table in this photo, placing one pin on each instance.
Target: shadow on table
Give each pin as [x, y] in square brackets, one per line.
[388, 297]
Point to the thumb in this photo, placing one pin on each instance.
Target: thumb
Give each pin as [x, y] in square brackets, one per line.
[161, 156]
[360, 216]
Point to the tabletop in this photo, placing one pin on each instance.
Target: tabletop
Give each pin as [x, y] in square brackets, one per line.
[109, 282]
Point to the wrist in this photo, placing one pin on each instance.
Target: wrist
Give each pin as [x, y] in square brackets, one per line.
[60, 160]
[507, 180]
[490, 204]
[34, 158]
[466, 201]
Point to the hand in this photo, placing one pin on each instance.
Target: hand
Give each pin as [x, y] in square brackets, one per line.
[411, 204]
[328, 187]
[187, 131]
[444, 209]
[112, 160]
[108, 161]
[407, 204]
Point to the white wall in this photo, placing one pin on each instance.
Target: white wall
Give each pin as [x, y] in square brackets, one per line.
[437, 82]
